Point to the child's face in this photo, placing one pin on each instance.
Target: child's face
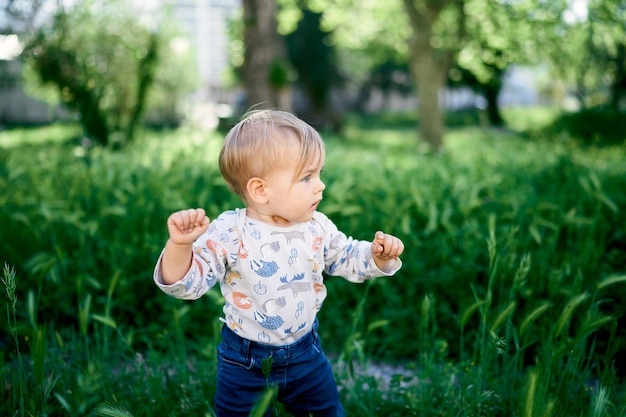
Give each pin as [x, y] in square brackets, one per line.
[294, 201]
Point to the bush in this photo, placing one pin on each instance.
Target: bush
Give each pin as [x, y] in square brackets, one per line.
[598, 126]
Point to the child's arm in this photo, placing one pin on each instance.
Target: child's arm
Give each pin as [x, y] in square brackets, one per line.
[385, 248]
[184, 227]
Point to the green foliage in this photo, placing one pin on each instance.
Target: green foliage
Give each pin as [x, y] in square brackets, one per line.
[279, 74]
[600, 126]
[314, 59]
[103, 63]
[584, 48]
[509, 301]
[366, 34]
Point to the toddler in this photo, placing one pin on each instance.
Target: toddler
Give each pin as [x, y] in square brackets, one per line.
[268, 259]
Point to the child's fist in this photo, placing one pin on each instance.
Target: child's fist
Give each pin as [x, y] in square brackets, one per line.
[386, 247]
[186, 226]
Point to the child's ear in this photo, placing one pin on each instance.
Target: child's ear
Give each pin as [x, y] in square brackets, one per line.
[257, 192]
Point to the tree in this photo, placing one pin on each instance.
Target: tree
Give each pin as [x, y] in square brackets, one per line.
[313, 58]
[496, 38]
[430, 58]
[489, 88]
[585, 47]
[265, 68]
[606, 25]
[355, 44]
[102, 63]
[476, 41]
[425, 33]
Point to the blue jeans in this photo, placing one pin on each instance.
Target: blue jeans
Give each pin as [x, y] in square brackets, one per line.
[300, 371]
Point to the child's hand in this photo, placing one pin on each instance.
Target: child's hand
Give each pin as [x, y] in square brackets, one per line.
[186, 226]
[385, 248]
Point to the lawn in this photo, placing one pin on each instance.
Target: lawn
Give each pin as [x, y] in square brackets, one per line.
[509, 303]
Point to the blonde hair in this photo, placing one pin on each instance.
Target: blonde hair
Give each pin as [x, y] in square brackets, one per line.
[259, 143]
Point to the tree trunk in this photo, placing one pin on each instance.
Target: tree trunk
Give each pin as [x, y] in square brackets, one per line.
[428, 66]
[492, 91]
[618, 87]
[145, 77]
[429, 80]
[265, 49]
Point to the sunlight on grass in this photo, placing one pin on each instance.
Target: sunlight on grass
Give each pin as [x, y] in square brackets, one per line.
[53, 133]
[521, 119]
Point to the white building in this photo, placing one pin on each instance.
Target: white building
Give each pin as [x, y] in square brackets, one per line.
[206, 22]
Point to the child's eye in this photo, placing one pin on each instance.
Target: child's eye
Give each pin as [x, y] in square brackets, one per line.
[306, 179]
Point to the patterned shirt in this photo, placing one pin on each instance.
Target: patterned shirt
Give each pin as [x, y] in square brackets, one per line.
[271, 277]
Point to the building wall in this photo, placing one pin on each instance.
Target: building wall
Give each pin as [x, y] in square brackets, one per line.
[206, 23]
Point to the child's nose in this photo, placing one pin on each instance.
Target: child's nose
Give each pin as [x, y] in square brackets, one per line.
[321, 186]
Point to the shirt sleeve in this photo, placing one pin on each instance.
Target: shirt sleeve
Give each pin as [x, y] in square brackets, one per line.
[350, 258]
[208, 266]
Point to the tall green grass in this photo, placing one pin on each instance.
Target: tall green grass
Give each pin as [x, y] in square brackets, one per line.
[508, 304]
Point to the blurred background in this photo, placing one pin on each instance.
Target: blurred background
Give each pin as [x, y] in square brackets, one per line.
[115, 64]
[489, 135]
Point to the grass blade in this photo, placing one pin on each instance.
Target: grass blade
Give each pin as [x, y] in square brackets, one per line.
[611, 281]
[503, 316]
[108, 409]
[568, 311]
[532, 316]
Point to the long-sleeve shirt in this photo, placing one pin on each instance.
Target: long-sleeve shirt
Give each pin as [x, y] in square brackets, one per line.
[271, 277]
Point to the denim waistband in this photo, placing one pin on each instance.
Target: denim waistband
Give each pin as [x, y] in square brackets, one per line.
[281, 353]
